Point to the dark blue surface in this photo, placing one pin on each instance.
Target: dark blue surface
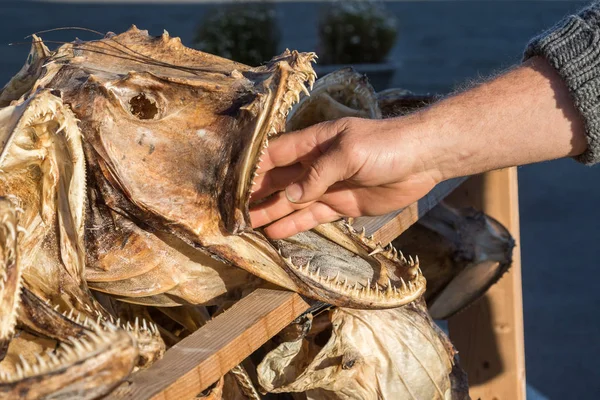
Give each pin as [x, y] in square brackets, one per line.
[441, 45]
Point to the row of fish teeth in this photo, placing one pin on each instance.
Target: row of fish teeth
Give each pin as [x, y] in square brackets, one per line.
[145, 326]
[273, 131]
[392, 253]
[292, 97]
[74, 315]
[9, 258]
[137, 326]
[362, 234]
[42, 116]
[66, 353]
[357, 289]
[7, 328]
[389, 251]
[283, 112]
[50, 113]
[306, 70]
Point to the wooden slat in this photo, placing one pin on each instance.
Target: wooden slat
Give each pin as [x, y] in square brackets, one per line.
[489, 334]
[388, 227]
[209, 353]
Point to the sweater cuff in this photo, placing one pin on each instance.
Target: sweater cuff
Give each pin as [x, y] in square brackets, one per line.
[572, 47]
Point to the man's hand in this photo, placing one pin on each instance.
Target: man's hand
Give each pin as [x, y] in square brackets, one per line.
[353, 167]
[348, 167]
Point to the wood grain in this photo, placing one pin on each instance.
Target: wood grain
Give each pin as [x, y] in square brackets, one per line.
[489, 334]
[388, 227]
[209, 353]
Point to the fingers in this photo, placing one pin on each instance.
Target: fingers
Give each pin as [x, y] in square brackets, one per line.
[293, 147]
[278, 206]
[302, 220]
[325, 171]
[274, 208]
[275, 180]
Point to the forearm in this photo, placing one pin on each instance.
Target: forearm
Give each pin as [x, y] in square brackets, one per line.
[522, 117]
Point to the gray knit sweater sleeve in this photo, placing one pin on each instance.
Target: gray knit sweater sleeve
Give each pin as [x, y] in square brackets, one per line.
[572, 47]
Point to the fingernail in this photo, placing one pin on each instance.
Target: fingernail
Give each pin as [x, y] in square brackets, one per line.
[293, 192]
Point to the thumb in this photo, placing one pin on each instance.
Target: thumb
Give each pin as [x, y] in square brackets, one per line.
[322, 173]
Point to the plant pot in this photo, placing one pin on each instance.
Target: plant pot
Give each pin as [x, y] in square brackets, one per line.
[380, 75]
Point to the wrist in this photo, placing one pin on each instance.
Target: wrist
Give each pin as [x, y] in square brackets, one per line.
[434, 143]
[447, 149]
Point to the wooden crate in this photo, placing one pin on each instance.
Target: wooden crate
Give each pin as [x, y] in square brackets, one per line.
[488, 335]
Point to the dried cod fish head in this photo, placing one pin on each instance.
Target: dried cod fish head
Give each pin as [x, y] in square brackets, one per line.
[76, 96]
[172, 140]
[365, 354]
[72, 233]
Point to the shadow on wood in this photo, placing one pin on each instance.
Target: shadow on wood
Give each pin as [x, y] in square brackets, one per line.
[479, 330]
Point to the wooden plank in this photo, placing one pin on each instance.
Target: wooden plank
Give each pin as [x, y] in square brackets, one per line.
[489, 334]
[202, 358]
[388, 227]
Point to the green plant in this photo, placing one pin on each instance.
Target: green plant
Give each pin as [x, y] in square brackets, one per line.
[243, 32]
[355, 31]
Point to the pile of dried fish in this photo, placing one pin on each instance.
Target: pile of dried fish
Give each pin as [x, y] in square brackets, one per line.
[126, 171]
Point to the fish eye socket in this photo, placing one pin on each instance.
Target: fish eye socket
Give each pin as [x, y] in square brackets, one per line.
[142, 107]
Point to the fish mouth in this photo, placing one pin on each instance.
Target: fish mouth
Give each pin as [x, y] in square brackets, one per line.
[285, 78]
[348, 269]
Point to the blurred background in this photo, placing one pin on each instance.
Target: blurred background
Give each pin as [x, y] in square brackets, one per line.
[426, 47]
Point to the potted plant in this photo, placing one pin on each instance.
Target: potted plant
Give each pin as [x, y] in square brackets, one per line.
[357, 33]
[244, 32]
